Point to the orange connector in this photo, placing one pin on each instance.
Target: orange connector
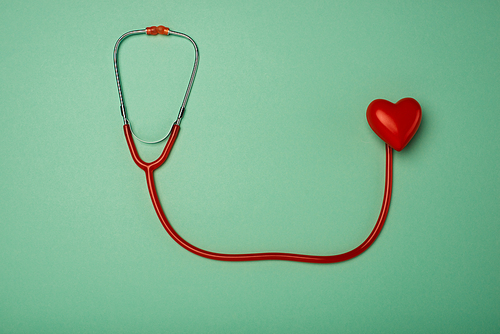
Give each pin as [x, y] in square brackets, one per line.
[157, 30]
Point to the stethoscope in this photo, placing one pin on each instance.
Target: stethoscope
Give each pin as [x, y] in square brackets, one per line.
[394, 123]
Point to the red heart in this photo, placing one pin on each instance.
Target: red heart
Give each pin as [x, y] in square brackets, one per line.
[395, 124]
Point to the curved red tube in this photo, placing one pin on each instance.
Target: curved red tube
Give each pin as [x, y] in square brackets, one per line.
[150, 167]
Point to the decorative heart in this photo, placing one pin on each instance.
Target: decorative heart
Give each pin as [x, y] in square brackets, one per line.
[396, 124]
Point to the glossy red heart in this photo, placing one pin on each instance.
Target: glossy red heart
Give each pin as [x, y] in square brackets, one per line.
[395, 123]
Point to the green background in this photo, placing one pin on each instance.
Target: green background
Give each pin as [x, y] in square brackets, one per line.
[274, 154]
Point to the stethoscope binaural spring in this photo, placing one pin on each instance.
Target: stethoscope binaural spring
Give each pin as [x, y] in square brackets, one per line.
[395, 124]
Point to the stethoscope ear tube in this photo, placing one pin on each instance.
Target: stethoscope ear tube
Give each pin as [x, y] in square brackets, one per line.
[159, 30]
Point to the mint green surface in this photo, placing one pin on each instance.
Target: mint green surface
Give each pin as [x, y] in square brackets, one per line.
[274, 154]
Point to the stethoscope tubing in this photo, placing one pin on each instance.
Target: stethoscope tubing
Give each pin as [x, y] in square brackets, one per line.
[149, 169]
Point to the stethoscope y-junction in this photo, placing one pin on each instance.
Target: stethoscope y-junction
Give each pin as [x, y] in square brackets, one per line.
[394, 123]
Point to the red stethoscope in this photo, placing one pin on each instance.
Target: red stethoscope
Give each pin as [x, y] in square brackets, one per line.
[395, 124]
